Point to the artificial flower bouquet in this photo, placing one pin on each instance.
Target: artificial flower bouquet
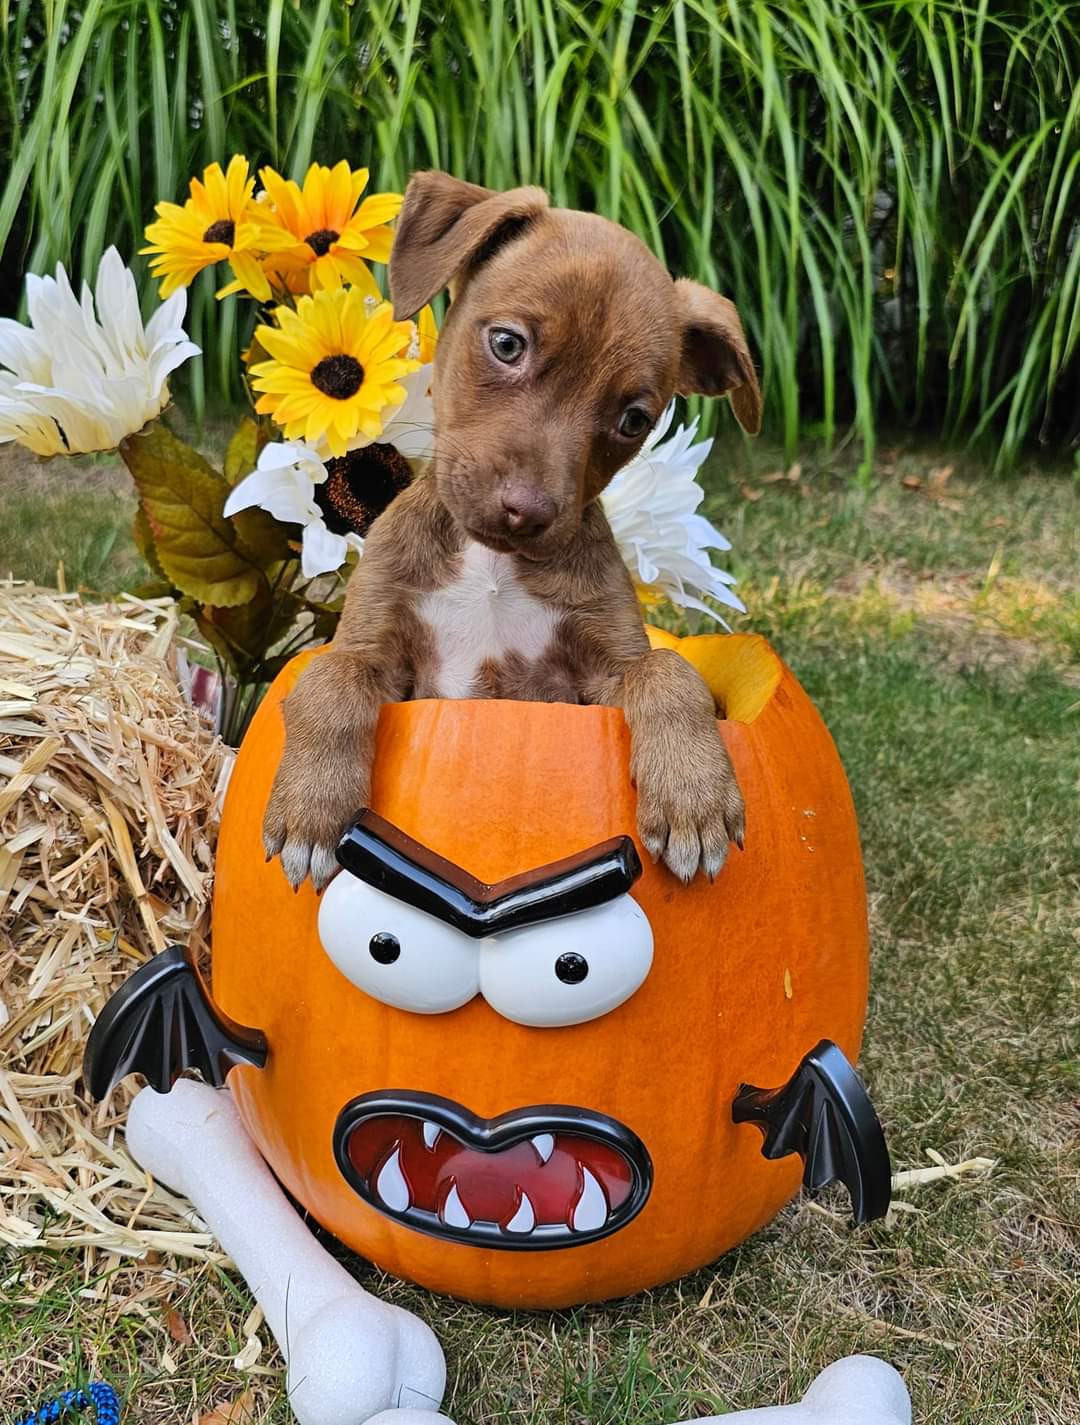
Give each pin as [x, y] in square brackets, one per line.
[256, 552]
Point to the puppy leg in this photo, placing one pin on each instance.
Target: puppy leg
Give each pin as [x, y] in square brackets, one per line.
[689, 804]
[325, 774]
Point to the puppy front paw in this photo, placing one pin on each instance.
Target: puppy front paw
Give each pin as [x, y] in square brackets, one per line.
[689, 808]
[305, 819]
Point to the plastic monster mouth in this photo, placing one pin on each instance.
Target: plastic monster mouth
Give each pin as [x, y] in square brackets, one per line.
[543, 1177]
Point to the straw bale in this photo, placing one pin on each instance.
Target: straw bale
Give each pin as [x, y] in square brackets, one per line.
[110, 787]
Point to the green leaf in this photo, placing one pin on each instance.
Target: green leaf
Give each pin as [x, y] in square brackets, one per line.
[242, 635]
[323, 627]
[154, 589]
[216, 560]
[242, 454]
[143, 536]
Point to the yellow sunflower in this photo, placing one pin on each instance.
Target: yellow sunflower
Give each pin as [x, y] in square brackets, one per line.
[427, 333]
[217, 222]
[329, 240]
[333, 369]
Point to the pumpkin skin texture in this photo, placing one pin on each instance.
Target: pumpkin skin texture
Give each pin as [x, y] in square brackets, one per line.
[749, 972]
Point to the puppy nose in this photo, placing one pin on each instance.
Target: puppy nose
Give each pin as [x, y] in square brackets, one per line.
[527, 509]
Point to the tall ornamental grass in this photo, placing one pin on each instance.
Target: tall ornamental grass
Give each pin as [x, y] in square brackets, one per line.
[889, 191]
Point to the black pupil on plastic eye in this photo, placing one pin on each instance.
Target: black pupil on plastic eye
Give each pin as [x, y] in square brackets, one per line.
[384, 947]
[635, 422]
[571, 969]
[506, 345]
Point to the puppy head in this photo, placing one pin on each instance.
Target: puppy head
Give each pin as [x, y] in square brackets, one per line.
[564, 342]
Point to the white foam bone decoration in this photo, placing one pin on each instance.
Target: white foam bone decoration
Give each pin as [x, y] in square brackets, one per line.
[858, 1390]
[350, 1356]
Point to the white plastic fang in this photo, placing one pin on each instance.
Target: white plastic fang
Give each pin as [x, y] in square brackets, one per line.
[391, 1185]
[431, 1135]
[590, 1214]
[544, 1143]
[524, 1219]
[453, 1211]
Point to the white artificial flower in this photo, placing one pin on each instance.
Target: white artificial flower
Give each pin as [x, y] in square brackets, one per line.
[287, 480]
[285, 483]
[78, 379]
[651, 507]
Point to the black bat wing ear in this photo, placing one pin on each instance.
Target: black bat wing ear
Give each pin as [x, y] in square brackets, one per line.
[162, 1021]
[824, 1113]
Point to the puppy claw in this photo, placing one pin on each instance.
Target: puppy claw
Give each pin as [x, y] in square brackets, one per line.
[324, 864]
[273, 841]
[712, 862]
[714, 848]
[683, 854]
[295, 861]
[679, 870]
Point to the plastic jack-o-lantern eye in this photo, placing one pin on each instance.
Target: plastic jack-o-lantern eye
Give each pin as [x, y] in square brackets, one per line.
[569, 970]
[394, 952]
[557, 946]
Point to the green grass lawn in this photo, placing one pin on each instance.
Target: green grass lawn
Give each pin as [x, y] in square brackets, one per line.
[938, 628]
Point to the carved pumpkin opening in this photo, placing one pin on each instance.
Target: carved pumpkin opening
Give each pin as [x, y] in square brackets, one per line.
[740, 669]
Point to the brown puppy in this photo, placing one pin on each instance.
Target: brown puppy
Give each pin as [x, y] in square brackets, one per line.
[495, 574]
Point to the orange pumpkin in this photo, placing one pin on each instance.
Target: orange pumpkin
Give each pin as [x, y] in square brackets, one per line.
[748, 973]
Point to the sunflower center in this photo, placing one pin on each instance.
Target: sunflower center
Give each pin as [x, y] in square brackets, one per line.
[338, 376]
[224, 230]
[359, 486]
[320, 241]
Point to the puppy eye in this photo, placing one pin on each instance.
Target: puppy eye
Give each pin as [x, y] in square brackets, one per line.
[634, 423]
[506, 345]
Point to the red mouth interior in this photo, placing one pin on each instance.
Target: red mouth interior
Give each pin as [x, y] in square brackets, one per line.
[490, 1186]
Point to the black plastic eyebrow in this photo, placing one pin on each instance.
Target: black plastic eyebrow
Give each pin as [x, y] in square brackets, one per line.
[375, 851]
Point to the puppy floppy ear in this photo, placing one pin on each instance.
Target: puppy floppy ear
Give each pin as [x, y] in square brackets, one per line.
[715, 357]
[446, 225]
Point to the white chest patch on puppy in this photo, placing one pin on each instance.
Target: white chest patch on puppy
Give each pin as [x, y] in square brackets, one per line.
[486, 613]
